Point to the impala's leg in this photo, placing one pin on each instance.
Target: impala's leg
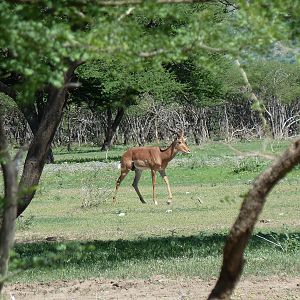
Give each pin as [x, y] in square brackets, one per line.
[166, 180]
[136, 180]
[124, 172]
[153, 173]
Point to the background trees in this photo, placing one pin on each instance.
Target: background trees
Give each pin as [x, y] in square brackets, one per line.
[112, 87]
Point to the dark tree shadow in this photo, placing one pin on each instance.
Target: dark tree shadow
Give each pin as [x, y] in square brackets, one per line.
[109, 253]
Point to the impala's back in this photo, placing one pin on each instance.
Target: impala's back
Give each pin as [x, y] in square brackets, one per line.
[141, 158]
[153, 157]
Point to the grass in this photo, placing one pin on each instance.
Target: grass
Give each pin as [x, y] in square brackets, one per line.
[94, 238]
[198, 255]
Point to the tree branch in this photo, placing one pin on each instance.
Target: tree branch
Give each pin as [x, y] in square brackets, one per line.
[260, 107]
[233, 260]
[250, 154]
[149, 54]
[152, 53]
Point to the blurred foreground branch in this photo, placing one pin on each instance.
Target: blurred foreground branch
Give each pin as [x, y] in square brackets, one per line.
[233, 259]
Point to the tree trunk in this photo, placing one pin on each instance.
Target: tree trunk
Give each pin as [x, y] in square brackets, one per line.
[126, 135]
[8, 215]
[112, 127]
[40, 145]
[50, 157]
[233, 260]
[69, 131]
[34, 115]
[196, 137]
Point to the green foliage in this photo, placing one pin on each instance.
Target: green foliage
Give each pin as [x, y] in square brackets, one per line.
[58, 254]
[203, 85]
[104, 85]
[249, 165]
[6, 104]
[39, 40]
[111, 83]
[275, 79]
[269, 78]
[34, 43]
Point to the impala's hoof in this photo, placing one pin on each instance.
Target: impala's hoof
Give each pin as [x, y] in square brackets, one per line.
[169, 202]
[143, 201]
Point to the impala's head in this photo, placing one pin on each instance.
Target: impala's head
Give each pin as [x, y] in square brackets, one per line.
[180, 143]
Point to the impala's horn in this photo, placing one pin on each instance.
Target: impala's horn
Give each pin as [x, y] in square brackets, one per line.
[180, 133]
[173, 131]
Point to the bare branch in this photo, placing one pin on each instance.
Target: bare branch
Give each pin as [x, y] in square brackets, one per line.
[250, 154]
[259, 104]
[152, 53]
[72, 85]
[212, 49]
[271, 242]
[147, 54]
[127, 13]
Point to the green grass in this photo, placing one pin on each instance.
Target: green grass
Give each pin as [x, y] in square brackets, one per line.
[73, 205]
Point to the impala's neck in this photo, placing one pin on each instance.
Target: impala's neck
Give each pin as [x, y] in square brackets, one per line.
[168, 153]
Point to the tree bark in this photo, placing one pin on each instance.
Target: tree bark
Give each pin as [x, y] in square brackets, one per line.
[112, 127]
[34, 115]
[40, 145]
[233, 260]
[8, 214]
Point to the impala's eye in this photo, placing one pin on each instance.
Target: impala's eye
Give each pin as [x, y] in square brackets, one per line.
[179, 142]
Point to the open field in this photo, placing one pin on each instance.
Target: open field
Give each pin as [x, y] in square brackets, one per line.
[72, 231]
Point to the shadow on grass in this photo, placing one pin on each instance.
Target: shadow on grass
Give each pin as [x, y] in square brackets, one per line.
[77, 151]
[83, 149]
[87, 159]
[108, 253]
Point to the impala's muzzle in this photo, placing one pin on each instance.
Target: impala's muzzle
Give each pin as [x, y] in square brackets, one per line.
[185, 150]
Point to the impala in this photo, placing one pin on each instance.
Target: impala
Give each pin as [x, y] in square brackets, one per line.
[154, 158]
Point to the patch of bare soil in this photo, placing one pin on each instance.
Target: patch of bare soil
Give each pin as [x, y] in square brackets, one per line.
[155, 288]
